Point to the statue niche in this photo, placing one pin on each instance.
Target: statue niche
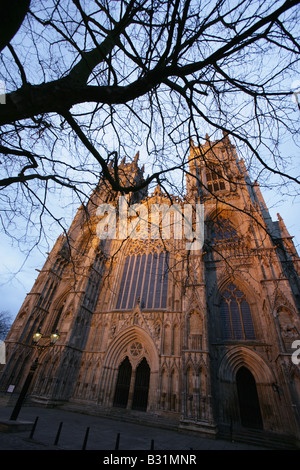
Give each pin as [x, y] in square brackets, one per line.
[195, 330]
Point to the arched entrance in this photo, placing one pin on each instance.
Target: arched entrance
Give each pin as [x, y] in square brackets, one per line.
[141, 378]
[123, 384]
[118, 383]
[248, 399]
[141, 386]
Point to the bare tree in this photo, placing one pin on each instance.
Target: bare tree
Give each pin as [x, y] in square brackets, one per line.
[11, 18]
[90, 82]
[5, 324]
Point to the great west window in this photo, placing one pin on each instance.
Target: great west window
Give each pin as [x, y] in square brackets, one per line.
[144, 277]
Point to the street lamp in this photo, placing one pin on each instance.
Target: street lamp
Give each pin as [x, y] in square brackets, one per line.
[54, 337]
[38, 335]
[36, 338]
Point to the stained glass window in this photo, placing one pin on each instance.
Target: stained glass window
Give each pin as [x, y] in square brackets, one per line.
[222, 229]
[144, 277]
[236, 315]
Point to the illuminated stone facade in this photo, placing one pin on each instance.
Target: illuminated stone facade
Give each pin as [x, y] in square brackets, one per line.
[202, 339]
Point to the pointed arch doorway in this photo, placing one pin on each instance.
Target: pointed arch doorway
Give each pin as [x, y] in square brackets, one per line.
[248, 399]
[141, 386]
[123, 384]
[141, 378]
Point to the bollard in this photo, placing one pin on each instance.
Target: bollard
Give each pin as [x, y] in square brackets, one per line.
[152, 444]
[85, 438]
[117, 441]
[58, 434]
[33, 428]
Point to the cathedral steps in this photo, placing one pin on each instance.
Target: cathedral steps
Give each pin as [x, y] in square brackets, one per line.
[162, 421]
[262, 438]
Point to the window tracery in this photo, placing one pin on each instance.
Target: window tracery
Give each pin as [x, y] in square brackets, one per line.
[236, 315]
[222, 229]
[215, 178]
[144, 277]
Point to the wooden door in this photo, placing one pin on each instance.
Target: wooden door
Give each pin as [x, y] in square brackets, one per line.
[141, 386]
[123, 384]
[248, 399]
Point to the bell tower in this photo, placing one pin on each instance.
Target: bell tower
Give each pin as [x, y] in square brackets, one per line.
[214, 170]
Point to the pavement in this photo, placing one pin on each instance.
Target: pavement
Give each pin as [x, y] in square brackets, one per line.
[85, 432]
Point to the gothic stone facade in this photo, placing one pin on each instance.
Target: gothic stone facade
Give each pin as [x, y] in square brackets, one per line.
[200, 338]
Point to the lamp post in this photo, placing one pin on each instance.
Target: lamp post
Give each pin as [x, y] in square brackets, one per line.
[36, 338]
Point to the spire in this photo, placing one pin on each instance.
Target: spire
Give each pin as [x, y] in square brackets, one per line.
[226, 139]
[157, 191]
[282, 226]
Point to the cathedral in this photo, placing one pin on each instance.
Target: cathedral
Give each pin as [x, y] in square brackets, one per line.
[192, 329]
